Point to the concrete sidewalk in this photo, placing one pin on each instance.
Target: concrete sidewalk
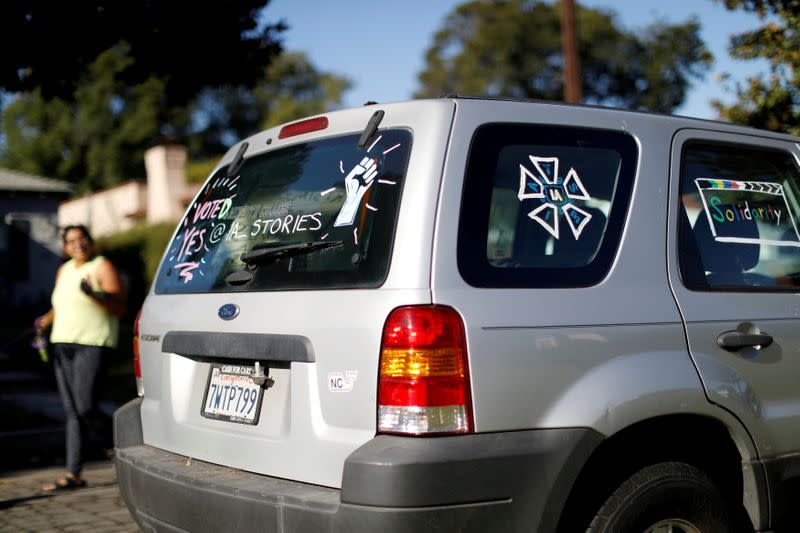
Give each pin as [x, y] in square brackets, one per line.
[98, 507]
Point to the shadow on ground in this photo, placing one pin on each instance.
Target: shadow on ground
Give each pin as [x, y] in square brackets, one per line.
[31, 416]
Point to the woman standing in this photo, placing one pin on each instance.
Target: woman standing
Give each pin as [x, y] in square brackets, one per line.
[87, 300]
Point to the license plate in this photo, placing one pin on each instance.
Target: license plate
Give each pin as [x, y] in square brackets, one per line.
[231, 394]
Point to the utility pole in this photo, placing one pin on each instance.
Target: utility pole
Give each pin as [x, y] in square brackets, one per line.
[569, 49]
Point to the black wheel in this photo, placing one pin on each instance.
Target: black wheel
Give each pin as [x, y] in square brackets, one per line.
[666, 498]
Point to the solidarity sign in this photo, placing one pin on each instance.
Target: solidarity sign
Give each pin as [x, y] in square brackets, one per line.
[731, 204]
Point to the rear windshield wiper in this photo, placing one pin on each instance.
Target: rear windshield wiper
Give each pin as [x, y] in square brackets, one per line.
[269, 253]
[272, 252]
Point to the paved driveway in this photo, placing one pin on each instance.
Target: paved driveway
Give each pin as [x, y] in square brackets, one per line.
[97, 508]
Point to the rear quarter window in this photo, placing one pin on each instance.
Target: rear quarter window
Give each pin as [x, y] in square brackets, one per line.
[543, 206]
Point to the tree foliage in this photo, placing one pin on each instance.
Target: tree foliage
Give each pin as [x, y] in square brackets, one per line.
[293, 88]
[773, 102]
[98, 137]
[513, 48]
[188, 45]
[95, 138]
[92, 84]
[290, 88]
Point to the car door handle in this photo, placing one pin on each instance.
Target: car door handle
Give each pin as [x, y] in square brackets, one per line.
[736, 340]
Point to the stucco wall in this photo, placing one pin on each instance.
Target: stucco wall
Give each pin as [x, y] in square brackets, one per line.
[166, 182]
[162, 198]
[106, 212]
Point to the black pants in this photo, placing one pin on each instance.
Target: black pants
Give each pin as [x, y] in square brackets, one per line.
[78, 368]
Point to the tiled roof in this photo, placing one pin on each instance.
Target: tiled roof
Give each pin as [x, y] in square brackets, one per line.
[12, 180]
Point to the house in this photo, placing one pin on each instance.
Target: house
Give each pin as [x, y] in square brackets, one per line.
[33, 208]
[163, 197]
[30, 247]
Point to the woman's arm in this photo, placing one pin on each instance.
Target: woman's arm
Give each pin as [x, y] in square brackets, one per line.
[46, 320]
[112, 297]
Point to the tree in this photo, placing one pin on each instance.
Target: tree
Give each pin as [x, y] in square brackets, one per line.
[90, 84]
[772, 103]
[97, 137]
[291, 88]
[188, 45]
[294, 88]
[513, 48]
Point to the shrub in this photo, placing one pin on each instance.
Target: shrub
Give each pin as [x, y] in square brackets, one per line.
[198, 171]
[136, 254]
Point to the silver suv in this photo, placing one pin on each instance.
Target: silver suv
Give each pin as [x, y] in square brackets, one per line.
[476, 315]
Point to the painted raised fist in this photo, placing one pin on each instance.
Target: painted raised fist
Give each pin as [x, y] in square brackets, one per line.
[356, 184]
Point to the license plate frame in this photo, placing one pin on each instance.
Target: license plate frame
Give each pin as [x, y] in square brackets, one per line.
[218, 407]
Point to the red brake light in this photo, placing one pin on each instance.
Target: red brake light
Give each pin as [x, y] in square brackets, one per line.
[424, 378]
[137, 368]
[304, 126]
[136, 324]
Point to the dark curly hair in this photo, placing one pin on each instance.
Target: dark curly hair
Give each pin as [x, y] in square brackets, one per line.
[83, 229]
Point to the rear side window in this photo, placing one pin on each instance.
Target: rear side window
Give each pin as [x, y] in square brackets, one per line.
[738, 221]
[543, 206]
[314, 215]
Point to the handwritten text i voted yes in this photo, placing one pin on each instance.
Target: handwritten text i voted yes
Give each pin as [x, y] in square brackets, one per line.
[194, 237]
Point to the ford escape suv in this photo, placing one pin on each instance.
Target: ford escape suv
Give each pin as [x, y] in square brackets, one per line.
[476, 315]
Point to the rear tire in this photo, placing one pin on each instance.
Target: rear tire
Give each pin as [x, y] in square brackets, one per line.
[667, 497]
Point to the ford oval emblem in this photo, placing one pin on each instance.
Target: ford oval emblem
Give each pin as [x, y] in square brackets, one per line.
[228, 311]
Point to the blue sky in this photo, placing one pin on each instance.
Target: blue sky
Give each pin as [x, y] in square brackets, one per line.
[381, 45]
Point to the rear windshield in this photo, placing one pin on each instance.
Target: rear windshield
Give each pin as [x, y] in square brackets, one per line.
[313, 215]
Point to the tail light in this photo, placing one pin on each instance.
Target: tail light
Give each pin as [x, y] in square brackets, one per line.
[423, 384]
[137, 367]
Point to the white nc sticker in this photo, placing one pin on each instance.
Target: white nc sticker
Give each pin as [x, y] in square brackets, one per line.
[342, 381]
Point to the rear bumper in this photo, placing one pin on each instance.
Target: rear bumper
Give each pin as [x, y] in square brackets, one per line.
[502, 482]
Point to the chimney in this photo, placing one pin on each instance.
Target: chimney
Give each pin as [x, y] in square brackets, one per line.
[166, 182]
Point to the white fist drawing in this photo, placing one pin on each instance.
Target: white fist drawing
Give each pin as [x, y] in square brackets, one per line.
[356, 184]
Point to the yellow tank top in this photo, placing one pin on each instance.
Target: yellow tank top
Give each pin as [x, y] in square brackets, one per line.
[78, 318]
